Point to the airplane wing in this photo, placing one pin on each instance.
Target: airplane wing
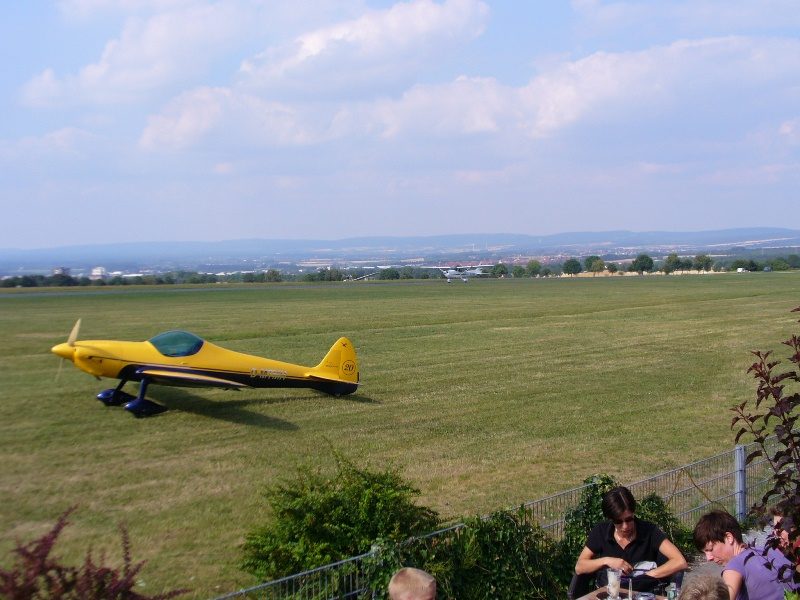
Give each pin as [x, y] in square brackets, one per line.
[186, 379]
[456, 268]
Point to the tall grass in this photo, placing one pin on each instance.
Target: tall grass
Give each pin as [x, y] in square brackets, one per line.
[485, 394]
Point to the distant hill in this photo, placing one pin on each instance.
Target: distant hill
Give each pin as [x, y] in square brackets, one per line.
[188, 255]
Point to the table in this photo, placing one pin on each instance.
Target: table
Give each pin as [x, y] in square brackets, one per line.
[622, 594]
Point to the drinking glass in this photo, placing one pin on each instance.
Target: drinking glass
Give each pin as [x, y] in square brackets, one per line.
[614, 577]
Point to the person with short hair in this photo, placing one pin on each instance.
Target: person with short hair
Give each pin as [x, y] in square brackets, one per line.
[624, 541]
[412, 584]
[748, 572]
[783, 529]
[704, 587]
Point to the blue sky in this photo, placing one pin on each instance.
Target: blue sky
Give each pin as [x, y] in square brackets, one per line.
[129, 120]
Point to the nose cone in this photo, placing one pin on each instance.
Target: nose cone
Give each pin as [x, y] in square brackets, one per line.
[64, 351]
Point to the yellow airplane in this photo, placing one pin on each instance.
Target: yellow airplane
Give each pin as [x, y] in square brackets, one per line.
[180, 358]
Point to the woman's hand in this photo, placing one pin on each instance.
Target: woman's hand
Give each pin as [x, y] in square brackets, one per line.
[619, 563]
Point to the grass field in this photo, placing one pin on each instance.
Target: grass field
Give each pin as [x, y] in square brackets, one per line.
[485, 395]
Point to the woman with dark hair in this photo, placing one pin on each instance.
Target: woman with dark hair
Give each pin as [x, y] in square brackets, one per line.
[637, 548]
[748, 572]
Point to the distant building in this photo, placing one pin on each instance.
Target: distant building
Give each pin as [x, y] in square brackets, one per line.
[61, 271]
[98, 273]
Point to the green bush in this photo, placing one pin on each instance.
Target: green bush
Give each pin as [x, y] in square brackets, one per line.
[503, 556]
[653, 508]
[499, 556]
[318, 519]
[321, 519]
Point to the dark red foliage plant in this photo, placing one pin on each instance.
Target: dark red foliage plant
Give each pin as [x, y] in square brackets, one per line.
[771, 421]
[38, 575]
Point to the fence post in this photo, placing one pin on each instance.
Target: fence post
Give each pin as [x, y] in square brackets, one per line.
[740, 481]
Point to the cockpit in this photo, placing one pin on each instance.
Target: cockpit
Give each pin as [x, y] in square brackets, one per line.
[177, 343]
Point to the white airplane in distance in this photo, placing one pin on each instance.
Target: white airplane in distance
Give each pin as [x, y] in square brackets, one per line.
[463, 273]
[367, 276]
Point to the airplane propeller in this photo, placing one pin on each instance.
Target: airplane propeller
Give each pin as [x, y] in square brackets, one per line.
[73, 335]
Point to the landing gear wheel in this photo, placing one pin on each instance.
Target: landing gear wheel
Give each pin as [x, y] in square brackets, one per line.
[141, 407]
[114, 397]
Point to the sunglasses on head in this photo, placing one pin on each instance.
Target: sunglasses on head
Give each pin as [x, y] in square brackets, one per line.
[621, 521]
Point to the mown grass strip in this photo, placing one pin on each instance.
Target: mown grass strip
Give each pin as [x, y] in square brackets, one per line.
[486, 394]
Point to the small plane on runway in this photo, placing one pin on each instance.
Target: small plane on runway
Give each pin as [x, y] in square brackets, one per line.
[463, 273]
[180, 358]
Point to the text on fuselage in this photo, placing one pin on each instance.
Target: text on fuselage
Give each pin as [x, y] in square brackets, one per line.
[267, 373]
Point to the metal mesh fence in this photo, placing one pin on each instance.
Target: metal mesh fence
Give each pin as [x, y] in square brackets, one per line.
[689, 491]
[337, 580]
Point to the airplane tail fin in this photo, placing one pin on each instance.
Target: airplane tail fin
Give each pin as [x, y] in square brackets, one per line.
[340, 365]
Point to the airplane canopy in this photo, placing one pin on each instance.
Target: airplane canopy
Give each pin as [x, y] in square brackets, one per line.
[177, 343]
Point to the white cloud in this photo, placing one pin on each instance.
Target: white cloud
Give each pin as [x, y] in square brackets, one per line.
[150, 53]
[790, 131]
[464, 106]
[185, 120]
[376, 38]
[623, 85]
[602, 88]
[564, 95]
[381, 43]
[223, 114]
[67, 142]
[43, 90]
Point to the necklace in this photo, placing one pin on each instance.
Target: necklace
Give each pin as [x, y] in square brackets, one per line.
[623, 541]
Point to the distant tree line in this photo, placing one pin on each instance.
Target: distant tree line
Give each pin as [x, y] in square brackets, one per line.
[673, 263]
[774, 264]
[61, 280]
[643, 263]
